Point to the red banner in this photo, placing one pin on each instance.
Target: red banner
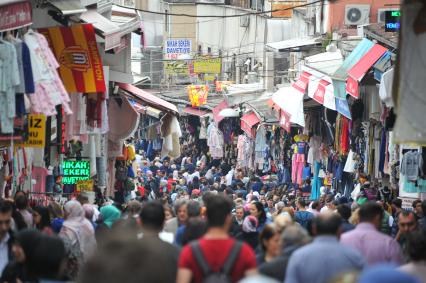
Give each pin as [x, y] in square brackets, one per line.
[15, 16]
[320, 92]
[352, 87]
[302, 83]
[285, 121]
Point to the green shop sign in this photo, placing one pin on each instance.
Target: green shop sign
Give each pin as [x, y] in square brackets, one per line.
[75, 171]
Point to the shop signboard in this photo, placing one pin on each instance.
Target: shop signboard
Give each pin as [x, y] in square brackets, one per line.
[77, 52]
[198, 94]
[178, 49]
[84, 186]
[15, 15]
[75, 170]
[392, 21]
[179, 68]
[36, 131]
[208, 66]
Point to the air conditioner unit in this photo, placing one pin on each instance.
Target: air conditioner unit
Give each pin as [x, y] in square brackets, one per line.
[357, 14]
[381, 14]
[245, 21]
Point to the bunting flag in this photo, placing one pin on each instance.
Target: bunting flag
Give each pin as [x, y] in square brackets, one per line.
[76, 50]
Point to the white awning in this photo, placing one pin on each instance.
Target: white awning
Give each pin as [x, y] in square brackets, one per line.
[326, 63]
[292, 44]
[290, 100]
[127, 19]
[109, 30]
[68, 7]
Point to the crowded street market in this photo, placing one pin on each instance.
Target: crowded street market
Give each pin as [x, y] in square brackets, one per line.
[212, 141]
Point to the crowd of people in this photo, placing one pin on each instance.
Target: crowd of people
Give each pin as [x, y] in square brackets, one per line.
[198, 221]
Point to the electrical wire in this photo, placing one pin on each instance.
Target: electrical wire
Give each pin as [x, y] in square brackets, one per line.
[227, 16]
[207, 21]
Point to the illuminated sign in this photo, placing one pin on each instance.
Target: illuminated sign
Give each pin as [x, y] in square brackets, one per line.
[392, 21]
[75, 171]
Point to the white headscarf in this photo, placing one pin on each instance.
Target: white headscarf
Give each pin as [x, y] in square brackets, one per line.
[78, 229]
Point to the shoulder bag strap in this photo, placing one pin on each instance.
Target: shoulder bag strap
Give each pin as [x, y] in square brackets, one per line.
[232, 257]
[196, 251]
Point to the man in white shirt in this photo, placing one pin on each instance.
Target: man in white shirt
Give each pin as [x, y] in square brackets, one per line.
[5, 236]
[330, 206]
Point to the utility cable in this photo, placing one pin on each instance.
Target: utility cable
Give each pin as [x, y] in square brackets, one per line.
[228, 16]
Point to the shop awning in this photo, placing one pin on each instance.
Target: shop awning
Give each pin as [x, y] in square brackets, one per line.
[382, 65]
[340, 76]
[127, 19]
[109, 30]
[326, 63]
[216, 117]
[148, 98]
[290, 100]
[194, 111]
[292, 44]
[126, 119]
[248, 121]
[359, 70]
[68, 7]
[301, 84]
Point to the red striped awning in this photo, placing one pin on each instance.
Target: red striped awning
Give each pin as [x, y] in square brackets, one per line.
[302, 82]
[194, 111]
[216, 117]
[359, 70]
[320, 91]
[248, 121]
[148, 98]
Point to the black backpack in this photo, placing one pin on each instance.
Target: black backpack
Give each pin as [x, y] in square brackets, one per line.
[223, 276]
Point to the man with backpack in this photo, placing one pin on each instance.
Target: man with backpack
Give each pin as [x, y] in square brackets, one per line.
[216, 257]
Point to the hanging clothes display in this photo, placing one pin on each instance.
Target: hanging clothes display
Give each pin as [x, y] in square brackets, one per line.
[10, 78]
[215, 141]
[49, 89]
[170, 132]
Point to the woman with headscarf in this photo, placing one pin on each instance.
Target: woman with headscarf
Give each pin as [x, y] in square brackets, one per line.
[78, 235]
[249, 232]
[109, 215]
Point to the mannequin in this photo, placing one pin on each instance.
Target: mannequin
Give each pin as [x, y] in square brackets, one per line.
[298, 159]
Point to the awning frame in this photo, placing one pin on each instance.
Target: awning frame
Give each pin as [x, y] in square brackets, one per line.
[147, 98]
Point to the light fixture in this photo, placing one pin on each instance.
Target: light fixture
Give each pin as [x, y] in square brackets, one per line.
[229, 112]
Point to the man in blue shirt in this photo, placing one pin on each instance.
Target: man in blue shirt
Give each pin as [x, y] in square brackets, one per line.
[325, 257]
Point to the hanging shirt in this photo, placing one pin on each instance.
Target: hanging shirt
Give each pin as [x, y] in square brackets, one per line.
[49, 89]
[25, 70]
[411, 165]
[9, 79]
